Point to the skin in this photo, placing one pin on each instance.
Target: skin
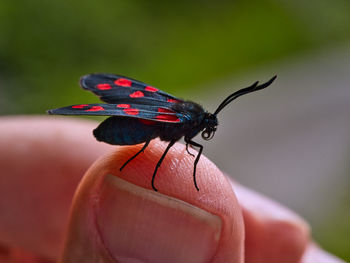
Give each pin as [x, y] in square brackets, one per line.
[50, 211]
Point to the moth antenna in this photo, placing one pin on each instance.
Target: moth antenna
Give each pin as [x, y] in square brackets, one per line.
[235, 95]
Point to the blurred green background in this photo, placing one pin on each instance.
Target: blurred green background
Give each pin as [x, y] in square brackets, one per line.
[45, 46]
[178, 46]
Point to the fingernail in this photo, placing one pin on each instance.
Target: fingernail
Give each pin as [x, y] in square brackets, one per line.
[141, 225]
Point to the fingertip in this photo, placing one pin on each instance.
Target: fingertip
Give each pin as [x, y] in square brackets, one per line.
[206, 220]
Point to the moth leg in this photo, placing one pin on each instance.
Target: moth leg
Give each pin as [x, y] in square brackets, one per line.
[160, 162]
[188, 150]
[133, 157]
[190, 142]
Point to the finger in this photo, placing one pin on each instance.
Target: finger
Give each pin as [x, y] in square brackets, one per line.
[273, 232]
[117, 217]
[314, 254]
[41, 162]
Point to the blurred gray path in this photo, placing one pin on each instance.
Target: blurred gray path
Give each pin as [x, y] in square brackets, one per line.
[292, 140]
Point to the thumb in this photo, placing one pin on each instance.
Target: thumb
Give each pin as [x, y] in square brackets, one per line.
[117, 217]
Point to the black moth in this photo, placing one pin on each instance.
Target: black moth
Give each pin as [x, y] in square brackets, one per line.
[141, 113]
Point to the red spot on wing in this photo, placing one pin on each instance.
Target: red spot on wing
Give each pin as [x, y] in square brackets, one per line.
[123, 82]
[123, 106]
[147, 122]
[151, 89]
[131, 111]
[164, 110]
[167, 117]
[79, 106]
[95, 108]
[172, 100]
[103, 86]
[137, 94]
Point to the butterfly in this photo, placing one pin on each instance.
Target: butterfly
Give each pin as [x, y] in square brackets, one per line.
[140, 112]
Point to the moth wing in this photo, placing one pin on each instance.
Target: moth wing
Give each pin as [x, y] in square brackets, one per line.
[119, 89]
[141, 111]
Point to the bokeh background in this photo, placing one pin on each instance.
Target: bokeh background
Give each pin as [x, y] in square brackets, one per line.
[290, 142]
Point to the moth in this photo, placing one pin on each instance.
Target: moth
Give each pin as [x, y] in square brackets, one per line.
[140, 112]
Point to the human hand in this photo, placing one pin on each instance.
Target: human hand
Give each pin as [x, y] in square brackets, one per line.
[116, 217]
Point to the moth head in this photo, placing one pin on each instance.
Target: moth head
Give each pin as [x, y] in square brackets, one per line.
[211, 122]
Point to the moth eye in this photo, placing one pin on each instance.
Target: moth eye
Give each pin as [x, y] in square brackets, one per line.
[207, 135]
